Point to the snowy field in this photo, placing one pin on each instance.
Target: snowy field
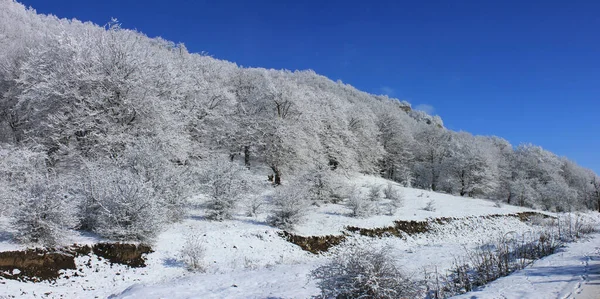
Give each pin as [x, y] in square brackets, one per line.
[246, 258]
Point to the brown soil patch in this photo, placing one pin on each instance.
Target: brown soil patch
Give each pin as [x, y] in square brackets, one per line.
[120, 253]
[397, 230]
[46, 264]
[313, 244]
[34, 264]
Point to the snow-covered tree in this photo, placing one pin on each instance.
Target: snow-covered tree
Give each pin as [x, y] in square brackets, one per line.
[363, 139]
[596, 191]
[225, 184]
[432, 151]
[397, 143]
[501, 153]
[469, 171]
[132, 118]
[284, 148]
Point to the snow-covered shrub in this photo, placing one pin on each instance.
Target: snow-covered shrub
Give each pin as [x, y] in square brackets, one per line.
[40, 205]
[374, 193]
[395, 198]
[250, 263]
[19, 169]
[254, 205]
[572, 226]
[193, 252]
[320, 182]
[120, 204]
[359, 206]
[389, 192]
[44, 212]
[289, 205]
[362, 272]
[540, 220]
[430, 206]
[225, 183]
[374, 197]
[584, 227]
[340, 190]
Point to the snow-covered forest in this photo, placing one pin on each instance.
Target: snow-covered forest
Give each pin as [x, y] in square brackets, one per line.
[105, 130]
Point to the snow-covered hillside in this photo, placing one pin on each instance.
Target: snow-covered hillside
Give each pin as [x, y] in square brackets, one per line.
[245, 258]
[244, 180]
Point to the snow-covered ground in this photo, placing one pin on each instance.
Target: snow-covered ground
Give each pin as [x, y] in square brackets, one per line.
[245, 258]
[574, 272]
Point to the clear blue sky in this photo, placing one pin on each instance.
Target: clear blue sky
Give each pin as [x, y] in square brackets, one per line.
[525, 70]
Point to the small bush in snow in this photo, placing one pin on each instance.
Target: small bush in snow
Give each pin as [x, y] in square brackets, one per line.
[572, 226]
[289, 206]
[374, 193]
[225, 184]
[340, 191]
[542, 221]
[359, 206]
[362, 273]
[389, 192]
[193, 252]
[498, 204]
[320, 183]
[254, 205]
[395, 197]
[430, 206]
[44, 213]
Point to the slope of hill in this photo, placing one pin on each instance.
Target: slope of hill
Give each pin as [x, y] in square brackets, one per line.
[246, 258]
[108, 135]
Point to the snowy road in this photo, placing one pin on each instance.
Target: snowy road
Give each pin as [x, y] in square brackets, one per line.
[590, 289]
[574, 272]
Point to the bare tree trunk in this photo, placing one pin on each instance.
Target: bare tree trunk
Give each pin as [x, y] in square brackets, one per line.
[433, 178]
[247, 156]
[277, 178]
[596, 192]
[462, 183]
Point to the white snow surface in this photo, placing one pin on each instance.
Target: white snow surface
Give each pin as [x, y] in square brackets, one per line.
[574, 272]
[246, 258]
